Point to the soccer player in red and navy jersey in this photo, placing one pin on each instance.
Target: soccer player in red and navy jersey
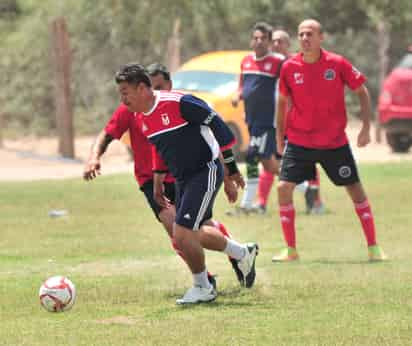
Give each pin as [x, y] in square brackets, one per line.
[314, 80]
[188, 139]
[123, 120]
[257, 88]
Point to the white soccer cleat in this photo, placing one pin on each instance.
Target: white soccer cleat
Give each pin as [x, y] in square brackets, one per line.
[247, 264]
[197, 295]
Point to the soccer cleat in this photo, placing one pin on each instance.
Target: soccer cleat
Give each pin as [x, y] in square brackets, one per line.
[241, 211]
[235, 265]
[212, 280]
[259, 209]
[288, 254]
[246, 265]
[197, 295]
[376, 254]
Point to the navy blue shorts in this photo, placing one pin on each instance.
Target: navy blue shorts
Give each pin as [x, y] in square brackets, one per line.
[147, 189]
[262, 143]
[195, 196]
[298, 164]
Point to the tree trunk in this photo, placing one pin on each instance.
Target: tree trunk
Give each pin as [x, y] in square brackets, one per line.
[61, 57]
[173, 48]
[383, 45]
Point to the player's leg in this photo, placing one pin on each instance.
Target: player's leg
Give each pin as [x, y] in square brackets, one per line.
[270, 162]
[340, 166]
[297, 166]
[314, 204]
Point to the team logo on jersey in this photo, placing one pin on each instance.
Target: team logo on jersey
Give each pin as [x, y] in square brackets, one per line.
[298, 77]
[247, 65]
[165, 119]
[356, 72]
[345, 171]
[144, 127]
[329, 74]
[267, 66]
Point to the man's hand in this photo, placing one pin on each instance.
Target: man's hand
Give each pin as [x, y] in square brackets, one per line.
[280, 144]
[364, 137]
[235, 99]
[230, 190]
[159, 191]
[92, 169]
[237, 179]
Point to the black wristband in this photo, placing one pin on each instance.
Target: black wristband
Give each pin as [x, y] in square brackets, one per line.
[229, 161]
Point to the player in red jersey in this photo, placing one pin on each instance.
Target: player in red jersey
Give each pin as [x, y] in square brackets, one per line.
[257, 88]
[188, 137]
[311, 188]
[314, 80]
[123, 120]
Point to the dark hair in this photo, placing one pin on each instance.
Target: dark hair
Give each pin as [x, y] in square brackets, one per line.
[264, 28]
[133, 73]
[157, 68]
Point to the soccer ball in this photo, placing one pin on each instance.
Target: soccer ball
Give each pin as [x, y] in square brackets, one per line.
[57, 294]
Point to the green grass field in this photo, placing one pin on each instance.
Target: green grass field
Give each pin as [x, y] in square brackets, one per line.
[128, 278]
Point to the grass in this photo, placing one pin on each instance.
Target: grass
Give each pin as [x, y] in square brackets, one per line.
[127, 276]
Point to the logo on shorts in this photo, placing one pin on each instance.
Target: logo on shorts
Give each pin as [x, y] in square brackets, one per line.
[345, 172]
[329, 74]
[187, 216]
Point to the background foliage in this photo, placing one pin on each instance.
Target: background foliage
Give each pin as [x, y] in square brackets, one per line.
[104, 34]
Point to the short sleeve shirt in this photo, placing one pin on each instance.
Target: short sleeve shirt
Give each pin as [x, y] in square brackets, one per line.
[317, 118]
[123, 120]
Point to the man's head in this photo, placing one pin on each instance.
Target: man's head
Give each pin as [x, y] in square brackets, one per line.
[261, 38]
[134, 86]
[159, 76]
[280, 42]
[310, 36]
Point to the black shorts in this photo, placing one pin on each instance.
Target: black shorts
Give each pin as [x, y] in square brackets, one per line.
[147, 189]
[298, 164]
[262, 143]
[196, 195]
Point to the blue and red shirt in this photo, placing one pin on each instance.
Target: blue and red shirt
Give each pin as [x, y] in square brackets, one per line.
[186, 133]
[317, 118]
[258, 82]
[121, 121]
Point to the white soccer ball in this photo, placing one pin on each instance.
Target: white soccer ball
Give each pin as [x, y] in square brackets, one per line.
[57, 294]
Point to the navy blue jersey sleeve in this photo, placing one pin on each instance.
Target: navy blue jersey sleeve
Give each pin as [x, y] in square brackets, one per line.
[197, 111]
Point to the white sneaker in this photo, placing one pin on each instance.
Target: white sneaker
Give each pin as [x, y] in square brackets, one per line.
[197, 295]
[247, 264]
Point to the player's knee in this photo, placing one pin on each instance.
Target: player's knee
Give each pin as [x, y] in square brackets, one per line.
[285, 188]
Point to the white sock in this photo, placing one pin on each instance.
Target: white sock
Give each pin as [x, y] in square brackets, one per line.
[200, 279]
[302, 187]
[234, 249]
[249, 194]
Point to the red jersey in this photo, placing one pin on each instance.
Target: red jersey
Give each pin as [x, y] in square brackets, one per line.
[318, 118]
[121, 121]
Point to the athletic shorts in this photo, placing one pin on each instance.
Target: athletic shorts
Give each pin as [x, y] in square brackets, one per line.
[262, 143]
[196, 195]
[298, 164]
[147, 189]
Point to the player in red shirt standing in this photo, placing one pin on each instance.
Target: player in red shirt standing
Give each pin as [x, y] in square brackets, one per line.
[311, 188]
[314, 81]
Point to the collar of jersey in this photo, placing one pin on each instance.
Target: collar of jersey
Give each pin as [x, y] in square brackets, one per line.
[261, 58]
[321, 58]
[157, 97]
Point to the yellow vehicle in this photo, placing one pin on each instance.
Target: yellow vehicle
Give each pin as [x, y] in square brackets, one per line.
[214, 77]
